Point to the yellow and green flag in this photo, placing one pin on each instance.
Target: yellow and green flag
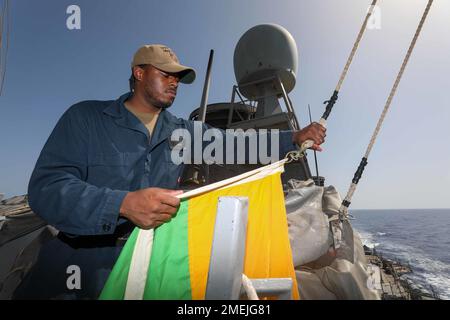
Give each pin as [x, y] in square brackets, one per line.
[172, 261]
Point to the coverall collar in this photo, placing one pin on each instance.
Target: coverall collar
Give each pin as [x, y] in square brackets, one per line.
[165, 124]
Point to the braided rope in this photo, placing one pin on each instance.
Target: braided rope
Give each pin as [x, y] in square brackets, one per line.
[309, 143]
[355, 45]
[352, 188]
[397, 80]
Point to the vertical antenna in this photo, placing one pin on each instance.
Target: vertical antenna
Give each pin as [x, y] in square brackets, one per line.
[204, 101]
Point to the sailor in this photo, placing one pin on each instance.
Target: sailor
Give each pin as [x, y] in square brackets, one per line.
[106, 168]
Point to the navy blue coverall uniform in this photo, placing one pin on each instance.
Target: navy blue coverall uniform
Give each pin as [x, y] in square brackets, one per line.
[97, 153]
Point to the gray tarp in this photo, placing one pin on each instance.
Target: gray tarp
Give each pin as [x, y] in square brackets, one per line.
[323, 272]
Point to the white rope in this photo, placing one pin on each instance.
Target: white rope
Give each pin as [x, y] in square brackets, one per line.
[355, 45]
[397, 80]
[249, 288]
[389, 100]
[309, 143]
[343, 209]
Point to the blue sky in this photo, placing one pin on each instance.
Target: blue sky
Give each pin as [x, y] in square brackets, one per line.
[50, 67]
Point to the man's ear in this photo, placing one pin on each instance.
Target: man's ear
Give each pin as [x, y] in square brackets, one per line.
[138, 73]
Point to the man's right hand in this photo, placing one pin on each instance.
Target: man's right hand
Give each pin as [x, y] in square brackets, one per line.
[315, 132]
[151, 207]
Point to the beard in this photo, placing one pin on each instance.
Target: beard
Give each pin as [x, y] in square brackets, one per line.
[159, 101]
[164, 104]
[159, 97]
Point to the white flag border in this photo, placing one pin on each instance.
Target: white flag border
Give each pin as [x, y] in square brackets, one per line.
[242, 178]
[140, 261]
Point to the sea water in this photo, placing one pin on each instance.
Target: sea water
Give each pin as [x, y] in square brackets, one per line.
[418, 237]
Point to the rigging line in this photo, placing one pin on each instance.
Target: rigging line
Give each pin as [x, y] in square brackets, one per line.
[355, 46]
[8, 23]
[330, 103]
[346, 203]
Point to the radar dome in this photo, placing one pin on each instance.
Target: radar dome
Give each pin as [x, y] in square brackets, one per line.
[265, 51]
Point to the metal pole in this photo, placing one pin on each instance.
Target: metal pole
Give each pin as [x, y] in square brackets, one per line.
[230, 113]
[204, 101]
[291, 112]
[228, 249]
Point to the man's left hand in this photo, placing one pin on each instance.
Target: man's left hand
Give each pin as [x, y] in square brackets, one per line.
[314, 132]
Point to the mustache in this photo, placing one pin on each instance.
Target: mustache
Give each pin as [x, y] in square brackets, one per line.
[172, 89]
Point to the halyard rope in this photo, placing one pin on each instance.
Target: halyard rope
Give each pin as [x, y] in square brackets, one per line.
[330, 103]
[355, 46]
[345, 204]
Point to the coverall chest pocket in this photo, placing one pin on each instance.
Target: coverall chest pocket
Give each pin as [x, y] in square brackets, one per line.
[108, 170]
[168, 176]
[105, 159]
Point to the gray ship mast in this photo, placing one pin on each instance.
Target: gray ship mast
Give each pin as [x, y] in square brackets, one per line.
[265, 66]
